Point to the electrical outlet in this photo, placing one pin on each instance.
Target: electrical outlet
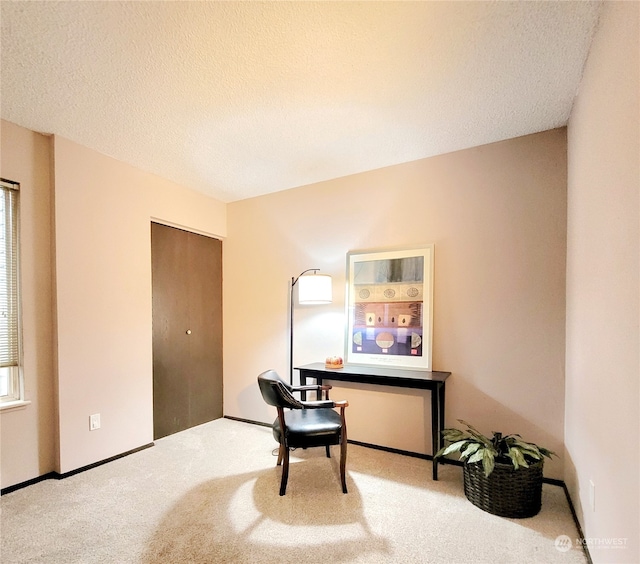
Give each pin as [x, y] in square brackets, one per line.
[94, 422]
[592, 495]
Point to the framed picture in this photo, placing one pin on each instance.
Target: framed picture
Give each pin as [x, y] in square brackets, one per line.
[390, 308]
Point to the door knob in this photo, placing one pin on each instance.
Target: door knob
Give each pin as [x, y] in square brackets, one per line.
[188, 331]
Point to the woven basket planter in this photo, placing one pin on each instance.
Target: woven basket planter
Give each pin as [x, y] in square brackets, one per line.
[507, 492]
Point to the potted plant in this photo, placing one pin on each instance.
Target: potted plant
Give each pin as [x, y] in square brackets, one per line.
[502, 475]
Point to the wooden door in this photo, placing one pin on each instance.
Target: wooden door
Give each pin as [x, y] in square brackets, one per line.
[187, 329]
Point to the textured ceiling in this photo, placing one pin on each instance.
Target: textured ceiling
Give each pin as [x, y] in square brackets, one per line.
[238, 99]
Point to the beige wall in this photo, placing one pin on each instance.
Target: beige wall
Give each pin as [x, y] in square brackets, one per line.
[497, 217]
[103, 210]
[28, 433]
[603, 352]
[101, 298]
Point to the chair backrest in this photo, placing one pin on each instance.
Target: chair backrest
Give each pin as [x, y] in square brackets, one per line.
[275, 391]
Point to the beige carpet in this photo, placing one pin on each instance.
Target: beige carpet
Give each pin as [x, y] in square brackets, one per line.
[210, 494]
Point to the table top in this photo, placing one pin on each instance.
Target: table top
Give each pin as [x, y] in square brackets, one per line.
[377, 374]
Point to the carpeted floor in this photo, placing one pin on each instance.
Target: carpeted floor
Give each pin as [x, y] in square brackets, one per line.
[210, 494]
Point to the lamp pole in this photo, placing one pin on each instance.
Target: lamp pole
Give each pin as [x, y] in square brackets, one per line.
[293, 283]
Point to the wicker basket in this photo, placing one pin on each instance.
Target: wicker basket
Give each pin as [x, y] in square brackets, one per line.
[507, 492]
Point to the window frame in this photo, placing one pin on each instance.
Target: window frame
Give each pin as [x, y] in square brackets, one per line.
[15, 381]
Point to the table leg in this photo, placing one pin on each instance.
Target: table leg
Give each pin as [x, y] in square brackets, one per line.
[435, 429]
[303, 382]
[441, 413]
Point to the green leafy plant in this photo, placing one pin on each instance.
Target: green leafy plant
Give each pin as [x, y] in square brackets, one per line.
[474, 447]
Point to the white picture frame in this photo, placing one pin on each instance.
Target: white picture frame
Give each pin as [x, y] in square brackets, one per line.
[389, 305]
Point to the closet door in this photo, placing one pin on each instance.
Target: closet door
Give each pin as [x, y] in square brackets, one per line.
[187, 329]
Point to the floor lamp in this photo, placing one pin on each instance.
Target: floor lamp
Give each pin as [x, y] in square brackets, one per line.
[312, 289]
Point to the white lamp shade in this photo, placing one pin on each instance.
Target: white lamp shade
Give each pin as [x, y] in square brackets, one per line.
[315, 289]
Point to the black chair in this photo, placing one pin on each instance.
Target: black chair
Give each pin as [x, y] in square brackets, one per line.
[304, 424]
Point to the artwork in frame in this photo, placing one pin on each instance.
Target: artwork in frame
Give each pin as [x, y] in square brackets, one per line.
[390, 308]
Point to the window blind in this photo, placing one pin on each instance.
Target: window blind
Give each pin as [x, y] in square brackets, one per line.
[9, 301]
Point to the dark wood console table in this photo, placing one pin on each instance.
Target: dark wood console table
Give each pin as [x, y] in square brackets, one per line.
[400, 378]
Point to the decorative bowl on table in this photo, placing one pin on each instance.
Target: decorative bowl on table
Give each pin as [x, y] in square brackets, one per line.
[334, 362]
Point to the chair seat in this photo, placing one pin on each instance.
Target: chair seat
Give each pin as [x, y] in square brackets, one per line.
[310, 428]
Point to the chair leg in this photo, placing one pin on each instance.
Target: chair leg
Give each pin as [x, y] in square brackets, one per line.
[343, 461]
[280, 455]
[285, 472]
[328, 451]
[343, 452]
